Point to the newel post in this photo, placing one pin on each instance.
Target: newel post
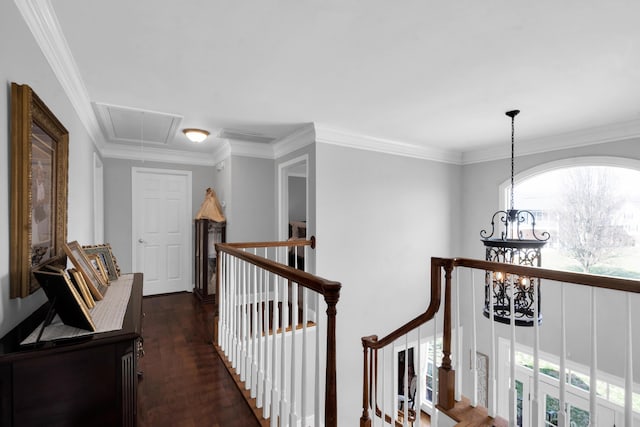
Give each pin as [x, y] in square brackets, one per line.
[446, 375]
[365, 420]
[331, 297]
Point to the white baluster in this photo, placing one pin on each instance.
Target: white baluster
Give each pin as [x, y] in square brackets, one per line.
[293, 421]
[458, 339]
[267, 339]
[593, 371]
[222, 318]
[405, 382]
[562, 414]
[305, 354]
[284, 402]
[418, 373]
[493, 394]
[318, 392]
[234, 314]
[255, 313]
[474, 342]
[275, 393]
[393, 394]
[383, 407]
[243, 320]
[435, 374]
[535, 401]
[628, 375]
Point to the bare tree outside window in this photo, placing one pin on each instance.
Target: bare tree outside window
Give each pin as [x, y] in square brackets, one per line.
[592, 214]
[589, 230]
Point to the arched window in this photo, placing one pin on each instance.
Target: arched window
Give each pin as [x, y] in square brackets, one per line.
[591, 208]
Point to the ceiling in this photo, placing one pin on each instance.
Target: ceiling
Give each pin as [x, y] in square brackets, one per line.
[429, 74]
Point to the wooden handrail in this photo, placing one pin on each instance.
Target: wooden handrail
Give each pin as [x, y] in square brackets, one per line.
[310, 281]
[434, 305]
[288, 243]
[594, 280]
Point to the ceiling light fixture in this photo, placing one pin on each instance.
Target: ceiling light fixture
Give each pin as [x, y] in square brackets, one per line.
[513, 240]
[195, 135]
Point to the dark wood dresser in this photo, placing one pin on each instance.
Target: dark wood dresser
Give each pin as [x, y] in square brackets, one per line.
[84, 381]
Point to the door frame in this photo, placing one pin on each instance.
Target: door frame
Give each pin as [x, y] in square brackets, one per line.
[188, 238]
[98, 199]
[285, 170]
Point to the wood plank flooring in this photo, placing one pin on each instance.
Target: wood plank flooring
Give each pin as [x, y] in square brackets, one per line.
[184, 382]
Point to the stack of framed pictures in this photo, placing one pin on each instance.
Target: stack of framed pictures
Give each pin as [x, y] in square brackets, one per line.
[95, 281]
[105, 255]
[65, 299]
[73, 292]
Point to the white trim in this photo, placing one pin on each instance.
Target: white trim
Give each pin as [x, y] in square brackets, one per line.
[43, 23]
[98, 199]
[283, 189]
[188, 237]
[155, 154]
[504, 348]
[519, 178]
[363, 142]
[300, 138]
[580, 138]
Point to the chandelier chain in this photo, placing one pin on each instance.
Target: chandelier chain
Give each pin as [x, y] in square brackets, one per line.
[512, 157]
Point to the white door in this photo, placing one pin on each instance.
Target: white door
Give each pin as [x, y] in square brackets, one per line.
[577, 409]
[161, 229]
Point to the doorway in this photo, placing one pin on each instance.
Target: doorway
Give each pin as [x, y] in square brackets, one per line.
[98, 200]
[161, 229]
[293, 189]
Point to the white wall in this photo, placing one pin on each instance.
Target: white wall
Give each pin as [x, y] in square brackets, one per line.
[297, 198]
[251, 204]
[379, 220]
[480, 198]
[23, 63]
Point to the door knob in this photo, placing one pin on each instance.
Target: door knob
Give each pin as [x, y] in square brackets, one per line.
[141, 241]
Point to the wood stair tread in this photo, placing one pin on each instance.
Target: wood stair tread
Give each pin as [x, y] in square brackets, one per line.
[469, 416]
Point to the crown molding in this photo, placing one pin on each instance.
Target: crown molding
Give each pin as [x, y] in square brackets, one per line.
[251, 149]
[222, 152]
[597, 135]
[363, 142]
[301, 137]
[44, 25]
[154, 154]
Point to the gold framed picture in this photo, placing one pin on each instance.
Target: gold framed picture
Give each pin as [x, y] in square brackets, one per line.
[106, 255]
[97, 263]
[92, 278]
[39, 170]
[81, 285]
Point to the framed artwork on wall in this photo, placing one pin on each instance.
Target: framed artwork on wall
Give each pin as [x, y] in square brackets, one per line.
[39, 171]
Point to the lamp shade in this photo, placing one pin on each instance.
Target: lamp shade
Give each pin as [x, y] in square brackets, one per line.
[196, 135]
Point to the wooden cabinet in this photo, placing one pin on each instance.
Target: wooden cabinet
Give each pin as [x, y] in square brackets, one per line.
[85, 381]
[208, 233]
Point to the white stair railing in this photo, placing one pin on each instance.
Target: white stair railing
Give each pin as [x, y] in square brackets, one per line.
[269, 328]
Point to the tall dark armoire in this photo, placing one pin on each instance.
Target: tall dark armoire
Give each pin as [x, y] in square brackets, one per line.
[208, 233]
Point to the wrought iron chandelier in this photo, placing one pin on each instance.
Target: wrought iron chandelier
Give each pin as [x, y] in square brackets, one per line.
[514, 240]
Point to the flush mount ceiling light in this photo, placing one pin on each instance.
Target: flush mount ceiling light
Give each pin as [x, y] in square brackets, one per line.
[195, 135]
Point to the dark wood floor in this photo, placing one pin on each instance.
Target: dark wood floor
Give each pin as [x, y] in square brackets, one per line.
[184, 382]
